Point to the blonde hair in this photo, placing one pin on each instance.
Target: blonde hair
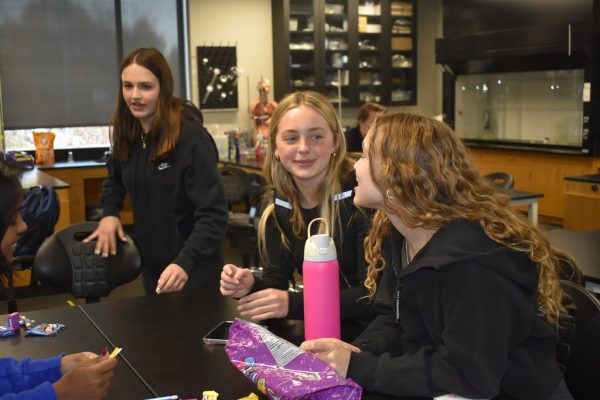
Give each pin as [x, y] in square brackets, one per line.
[280, 180]
[430, 180]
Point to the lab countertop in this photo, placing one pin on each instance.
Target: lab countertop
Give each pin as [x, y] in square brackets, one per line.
[75, 164]
[594, 178]
[35, 177]
[252, 164]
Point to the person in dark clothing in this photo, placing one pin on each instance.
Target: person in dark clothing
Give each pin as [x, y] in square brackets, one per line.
[366, 116]
[310, 176]
[73, 376]
[470, 301]
[167, 162]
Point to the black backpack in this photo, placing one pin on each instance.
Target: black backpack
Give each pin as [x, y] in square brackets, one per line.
[41, 209]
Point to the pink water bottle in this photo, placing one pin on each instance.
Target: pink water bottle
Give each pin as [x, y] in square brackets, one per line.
[320, 272]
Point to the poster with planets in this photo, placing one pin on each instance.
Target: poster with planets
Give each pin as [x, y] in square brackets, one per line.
[217, 77]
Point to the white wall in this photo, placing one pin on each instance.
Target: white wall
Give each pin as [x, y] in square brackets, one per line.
[246, 24]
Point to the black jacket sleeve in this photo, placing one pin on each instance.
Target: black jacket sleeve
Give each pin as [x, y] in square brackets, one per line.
[203, 188]
[383, 335]
[282, 263]
[279, 267]
[113, 190]
[353, 302]
[484, 316]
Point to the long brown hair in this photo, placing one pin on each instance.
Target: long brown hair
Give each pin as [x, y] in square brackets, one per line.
[280, 180]
[166, 125]
[429, 181]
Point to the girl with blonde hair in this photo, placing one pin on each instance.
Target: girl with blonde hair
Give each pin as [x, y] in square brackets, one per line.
[309, 176]
[469, 300]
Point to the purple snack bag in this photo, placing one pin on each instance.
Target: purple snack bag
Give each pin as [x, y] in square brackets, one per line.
[282, 370]
[13, 322]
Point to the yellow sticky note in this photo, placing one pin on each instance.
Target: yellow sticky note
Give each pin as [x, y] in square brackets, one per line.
[115, 352]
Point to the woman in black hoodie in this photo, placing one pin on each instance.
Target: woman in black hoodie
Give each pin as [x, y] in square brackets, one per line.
[470, 300]
[167, 162]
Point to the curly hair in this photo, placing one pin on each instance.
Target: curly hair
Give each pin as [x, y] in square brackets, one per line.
[280, 180]
[426, 171]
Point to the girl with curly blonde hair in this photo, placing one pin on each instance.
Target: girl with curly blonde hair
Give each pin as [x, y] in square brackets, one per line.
[469, 298]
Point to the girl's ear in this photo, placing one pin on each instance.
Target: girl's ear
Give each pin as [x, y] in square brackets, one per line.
[337, 141]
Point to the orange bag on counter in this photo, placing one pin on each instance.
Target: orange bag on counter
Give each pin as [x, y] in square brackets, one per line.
[44, 147]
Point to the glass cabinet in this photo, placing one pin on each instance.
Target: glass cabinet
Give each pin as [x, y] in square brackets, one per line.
[335, 37]
[352, 51]
[302, 45]
[370, 45]
[402, 49]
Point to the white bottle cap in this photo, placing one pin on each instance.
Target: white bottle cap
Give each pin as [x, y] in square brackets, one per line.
[321, 247]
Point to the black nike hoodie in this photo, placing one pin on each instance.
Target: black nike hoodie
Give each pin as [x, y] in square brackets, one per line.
[461, 318]
[179, 209]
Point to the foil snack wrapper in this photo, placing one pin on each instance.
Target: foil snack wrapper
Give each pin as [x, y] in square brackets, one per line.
[281, 370]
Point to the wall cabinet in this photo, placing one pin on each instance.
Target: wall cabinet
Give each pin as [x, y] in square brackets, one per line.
[582, 206]
[537, 172]
[353, 51]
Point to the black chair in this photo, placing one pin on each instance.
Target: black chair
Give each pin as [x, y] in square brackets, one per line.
[64, 261]
[256, 188]
[7, 283]
[579, 347]
[246, 189]
[11, 293]
[235, 185]
[502, 180]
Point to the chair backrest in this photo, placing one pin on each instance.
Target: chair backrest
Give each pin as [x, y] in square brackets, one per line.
[65, 261]
[503, 180]
[235, 185]
[582, 369]
[256, 188]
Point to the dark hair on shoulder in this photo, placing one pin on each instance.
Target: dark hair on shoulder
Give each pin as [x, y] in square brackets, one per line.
[11, 193]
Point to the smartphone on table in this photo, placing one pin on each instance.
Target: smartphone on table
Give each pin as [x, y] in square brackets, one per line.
[219, 334]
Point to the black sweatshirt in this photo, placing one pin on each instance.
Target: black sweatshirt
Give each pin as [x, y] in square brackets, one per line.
[179, 209]
[461, 318]
[279, 271]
